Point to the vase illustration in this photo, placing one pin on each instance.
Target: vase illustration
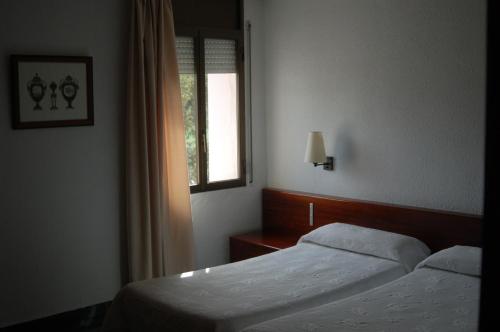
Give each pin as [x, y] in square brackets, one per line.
[36, 89]
[69, 87]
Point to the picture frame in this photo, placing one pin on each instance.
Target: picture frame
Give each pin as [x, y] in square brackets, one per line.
[51, 91]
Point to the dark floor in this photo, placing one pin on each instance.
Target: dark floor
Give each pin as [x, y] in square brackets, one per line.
[87, 319]
[50, 328]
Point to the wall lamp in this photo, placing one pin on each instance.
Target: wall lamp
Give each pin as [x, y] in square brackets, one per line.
[315, 151]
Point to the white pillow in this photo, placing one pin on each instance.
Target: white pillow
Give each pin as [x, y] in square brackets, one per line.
[396, 247]
[459, 259]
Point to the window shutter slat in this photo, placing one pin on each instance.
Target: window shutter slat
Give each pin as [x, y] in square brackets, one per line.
[185, 55]
[220, 56]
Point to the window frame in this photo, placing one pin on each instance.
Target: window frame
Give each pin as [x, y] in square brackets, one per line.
[199, 35]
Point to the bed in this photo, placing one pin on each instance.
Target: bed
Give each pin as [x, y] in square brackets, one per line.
[330, 263]
[442, 294]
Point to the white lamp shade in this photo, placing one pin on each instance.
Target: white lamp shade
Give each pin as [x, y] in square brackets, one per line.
[315, 149]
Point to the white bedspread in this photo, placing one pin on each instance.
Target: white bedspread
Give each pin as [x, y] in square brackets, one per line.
[233, 296]
[423, 301]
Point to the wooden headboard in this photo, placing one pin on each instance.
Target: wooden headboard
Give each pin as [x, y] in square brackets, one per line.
[289, 211]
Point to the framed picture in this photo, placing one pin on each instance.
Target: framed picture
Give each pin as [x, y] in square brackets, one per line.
[51, 91]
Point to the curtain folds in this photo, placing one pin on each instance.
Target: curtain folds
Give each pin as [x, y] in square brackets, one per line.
[159, 225]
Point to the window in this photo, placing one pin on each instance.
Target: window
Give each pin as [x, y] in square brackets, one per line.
[211, 77]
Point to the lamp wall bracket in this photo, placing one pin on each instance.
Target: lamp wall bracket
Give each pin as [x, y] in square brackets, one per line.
[328, 165]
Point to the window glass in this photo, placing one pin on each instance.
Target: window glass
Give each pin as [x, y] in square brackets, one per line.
[222, 110]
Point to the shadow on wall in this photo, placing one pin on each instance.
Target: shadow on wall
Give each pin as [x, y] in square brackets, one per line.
[344, 149]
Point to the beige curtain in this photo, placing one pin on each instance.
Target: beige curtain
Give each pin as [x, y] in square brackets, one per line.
[159, 225]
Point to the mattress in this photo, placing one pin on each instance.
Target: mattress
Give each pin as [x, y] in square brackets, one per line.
[233, 296]
[423, 301]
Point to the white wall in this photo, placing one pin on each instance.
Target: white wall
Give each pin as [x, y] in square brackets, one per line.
[397, 87]
[61, 188]
[219, 214]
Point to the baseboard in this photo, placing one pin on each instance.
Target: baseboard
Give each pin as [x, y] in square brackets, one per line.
[81, 319]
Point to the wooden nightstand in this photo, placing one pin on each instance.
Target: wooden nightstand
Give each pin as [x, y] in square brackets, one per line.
[258, 243]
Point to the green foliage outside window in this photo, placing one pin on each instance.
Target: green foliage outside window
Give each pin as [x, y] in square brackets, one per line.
[189, 107]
